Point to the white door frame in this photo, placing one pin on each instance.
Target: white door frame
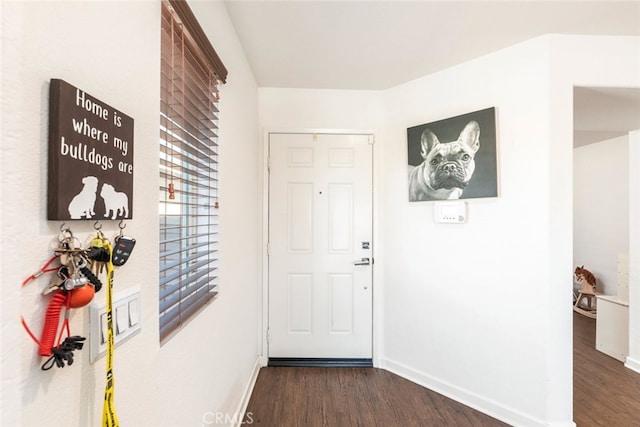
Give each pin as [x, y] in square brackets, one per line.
[377, 267]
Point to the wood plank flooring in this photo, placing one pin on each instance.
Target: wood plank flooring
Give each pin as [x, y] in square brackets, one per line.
[345, 397]
[605, 394]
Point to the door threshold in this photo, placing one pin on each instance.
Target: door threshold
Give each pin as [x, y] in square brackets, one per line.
[310, 362]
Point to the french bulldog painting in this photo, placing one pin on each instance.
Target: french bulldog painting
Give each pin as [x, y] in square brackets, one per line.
[447, 167]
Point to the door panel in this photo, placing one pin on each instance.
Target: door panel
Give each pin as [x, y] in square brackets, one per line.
[320, 222]
[341, 303]
[300, 218]
[300, 303]
[340, 233]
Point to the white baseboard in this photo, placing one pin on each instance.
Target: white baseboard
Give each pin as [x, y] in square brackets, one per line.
[472, 400]
[246, 396]
[632, 364]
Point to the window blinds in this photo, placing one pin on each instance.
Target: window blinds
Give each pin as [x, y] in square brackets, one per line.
[188, 169]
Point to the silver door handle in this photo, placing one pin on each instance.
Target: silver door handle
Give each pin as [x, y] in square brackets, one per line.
[363, 261]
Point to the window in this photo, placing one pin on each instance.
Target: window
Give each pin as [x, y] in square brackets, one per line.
[190, 74]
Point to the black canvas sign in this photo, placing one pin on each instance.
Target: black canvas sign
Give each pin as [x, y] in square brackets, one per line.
[90, 157]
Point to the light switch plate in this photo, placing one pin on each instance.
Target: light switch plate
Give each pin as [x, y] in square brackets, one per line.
[126, 320]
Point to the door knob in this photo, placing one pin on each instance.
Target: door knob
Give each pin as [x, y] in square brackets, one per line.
[363, 261]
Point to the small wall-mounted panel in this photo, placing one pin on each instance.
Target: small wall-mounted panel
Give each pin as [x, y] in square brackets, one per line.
[450, 212]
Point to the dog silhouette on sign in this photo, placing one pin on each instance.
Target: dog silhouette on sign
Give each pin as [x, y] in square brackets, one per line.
[115, 203]
[83, 203]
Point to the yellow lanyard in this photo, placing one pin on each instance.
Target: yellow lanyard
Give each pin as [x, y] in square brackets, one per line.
[109, 416]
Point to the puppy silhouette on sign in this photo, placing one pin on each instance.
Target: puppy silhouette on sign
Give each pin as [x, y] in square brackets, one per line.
[90, 172]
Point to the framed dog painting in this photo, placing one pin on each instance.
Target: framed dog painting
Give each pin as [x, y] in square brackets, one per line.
[454, 158]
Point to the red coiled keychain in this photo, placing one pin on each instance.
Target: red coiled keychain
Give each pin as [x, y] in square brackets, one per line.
[59, 351]
[51, 321]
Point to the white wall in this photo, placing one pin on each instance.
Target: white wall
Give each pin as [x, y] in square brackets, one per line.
[601, 209]
[507, 299]
[482, 311]
[633, 359]
[111, 50]
[579, 61]
[464, 303]
[319, 108]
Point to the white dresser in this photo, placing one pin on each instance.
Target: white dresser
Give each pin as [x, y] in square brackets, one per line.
[612, 324]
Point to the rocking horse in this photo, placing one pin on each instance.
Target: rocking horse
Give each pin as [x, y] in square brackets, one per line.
[588, 291]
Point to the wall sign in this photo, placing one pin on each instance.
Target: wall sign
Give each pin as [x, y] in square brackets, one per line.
[90, 157]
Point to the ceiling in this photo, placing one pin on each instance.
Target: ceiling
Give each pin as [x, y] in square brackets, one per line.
[604, 113]
[375, 45]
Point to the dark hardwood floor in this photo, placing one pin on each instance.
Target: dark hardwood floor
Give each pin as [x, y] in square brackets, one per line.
[344, 397]
[605, 394]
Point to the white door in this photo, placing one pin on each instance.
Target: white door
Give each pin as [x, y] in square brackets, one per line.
[320, 244]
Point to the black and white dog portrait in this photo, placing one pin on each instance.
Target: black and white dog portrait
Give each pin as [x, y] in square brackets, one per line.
[453, 158]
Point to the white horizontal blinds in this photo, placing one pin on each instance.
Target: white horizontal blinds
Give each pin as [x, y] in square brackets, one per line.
[188, 176]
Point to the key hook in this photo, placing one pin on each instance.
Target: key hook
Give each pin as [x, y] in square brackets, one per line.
[121, 226]
[65, 233]
[97, 225]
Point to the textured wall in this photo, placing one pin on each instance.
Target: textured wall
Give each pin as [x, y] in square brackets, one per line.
[112, 51]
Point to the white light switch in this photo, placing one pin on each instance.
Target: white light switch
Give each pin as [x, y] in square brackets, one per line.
[103, 328]
[122, 318]
[126, 320]
[133, 312]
